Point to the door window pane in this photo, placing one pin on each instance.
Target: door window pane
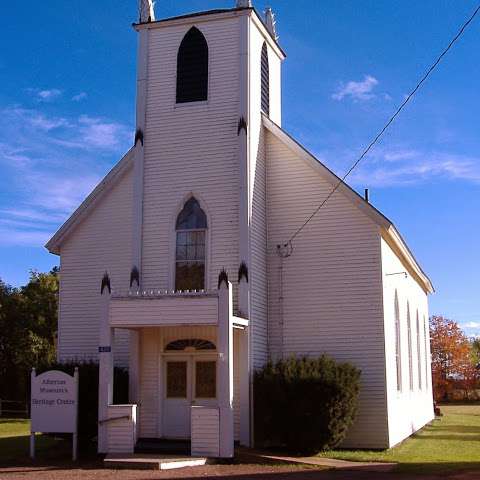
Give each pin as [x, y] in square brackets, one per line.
[206, 379]
[176, 379]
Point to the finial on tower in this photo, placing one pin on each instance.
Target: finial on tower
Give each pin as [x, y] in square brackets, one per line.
[244, 3]
[271, 22]
[146, 11]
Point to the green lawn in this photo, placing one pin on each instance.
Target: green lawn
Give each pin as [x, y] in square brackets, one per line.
[451, 443]
[15, 442]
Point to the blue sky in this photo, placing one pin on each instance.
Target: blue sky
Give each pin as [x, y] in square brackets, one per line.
[67, 76]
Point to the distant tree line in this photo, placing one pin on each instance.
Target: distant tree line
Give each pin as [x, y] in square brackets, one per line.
[28, 329]
[455, 361]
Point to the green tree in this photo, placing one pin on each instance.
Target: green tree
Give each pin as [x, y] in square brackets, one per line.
[28, 324]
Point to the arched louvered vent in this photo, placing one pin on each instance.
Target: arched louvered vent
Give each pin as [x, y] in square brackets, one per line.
[265, 81]
[192, 68]
[197, 344]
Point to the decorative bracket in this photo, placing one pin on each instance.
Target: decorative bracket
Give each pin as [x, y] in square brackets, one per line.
[134, 277]
[243, 272]
[138, 136]
[223, 278]
[242, 125]
[105, 284]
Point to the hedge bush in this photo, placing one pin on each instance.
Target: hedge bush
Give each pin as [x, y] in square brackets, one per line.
[305, 405]
[88, 394]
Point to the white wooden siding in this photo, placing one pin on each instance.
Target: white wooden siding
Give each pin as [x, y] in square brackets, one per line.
[150, 312]
[408, 410]
[102, 242]
[191, 148]
[121, 433]
[331, 284]
[205, 432]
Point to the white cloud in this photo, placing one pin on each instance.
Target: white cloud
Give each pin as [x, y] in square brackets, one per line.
[409, 166]
[98, 133]
[471, 325]
[26, 238]
[49, 165]
[46, 95]
[81, 96]
[357, 91]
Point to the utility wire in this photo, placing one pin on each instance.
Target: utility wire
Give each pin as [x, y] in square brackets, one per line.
[382, 131]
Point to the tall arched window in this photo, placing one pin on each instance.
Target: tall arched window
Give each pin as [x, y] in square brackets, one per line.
[192, 68]
[398, 344]
[265, 80]
[191, 229]
[426, 339]
[410, 350]
[419, 354]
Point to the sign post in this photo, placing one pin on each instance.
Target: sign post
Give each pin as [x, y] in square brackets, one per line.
[54, 406]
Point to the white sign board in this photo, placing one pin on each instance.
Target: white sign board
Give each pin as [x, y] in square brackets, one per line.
[54, 403]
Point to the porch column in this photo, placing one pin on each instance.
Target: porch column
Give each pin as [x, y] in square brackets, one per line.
[225, 369]
[105, 374]
[134, 367]
[244, 394]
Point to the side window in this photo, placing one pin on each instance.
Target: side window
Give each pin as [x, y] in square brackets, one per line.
[192, 68]
[398, 344]
[419, 354]
[265, 80]
[410, 350]
[191, 230]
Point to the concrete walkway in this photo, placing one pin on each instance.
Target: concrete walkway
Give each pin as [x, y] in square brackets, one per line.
[324, 462]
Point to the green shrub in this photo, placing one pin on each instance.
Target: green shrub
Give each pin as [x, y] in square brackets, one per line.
[88, 394]
[305, 405]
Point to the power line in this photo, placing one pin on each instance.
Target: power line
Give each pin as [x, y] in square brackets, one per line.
[288, 245]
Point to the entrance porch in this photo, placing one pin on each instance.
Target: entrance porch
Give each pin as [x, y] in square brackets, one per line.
[189, 372]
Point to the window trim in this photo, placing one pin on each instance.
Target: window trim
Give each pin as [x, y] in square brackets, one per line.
[173, 240]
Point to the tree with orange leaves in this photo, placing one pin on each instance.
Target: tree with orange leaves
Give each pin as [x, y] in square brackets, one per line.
[451, 358]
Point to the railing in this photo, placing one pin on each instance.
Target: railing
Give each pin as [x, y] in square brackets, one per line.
[9, 411]
[121, 423]
[146, 293]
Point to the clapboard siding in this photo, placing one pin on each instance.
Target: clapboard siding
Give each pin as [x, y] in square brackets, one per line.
[191, 148]
[205, 432]
[408, 410]
[331, 284]
[149, 312]
[101, 242]
[121, 432]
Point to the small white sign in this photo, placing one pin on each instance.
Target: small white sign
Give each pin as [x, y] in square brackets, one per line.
[54, 403]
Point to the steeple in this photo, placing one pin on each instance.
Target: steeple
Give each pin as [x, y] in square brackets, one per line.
[271, 22]
[244, 3]
[146, 11]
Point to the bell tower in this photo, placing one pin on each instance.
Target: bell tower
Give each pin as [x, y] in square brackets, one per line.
[204, 82]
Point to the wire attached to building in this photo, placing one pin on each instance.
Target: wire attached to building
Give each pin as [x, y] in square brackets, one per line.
[287, 249]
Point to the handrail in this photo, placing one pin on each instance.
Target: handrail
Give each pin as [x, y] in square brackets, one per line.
[108, 420]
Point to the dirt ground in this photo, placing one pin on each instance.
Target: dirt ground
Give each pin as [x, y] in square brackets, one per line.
[94, 471]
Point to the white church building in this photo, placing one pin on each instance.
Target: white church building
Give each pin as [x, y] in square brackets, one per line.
[179, 266]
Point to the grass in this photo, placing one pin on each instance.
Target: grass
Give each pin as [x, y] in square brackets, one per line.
[449, 444]
[15, 443]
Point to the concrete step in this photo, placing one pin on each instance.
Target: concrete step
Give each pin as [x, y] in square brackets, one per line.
[137, 461]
